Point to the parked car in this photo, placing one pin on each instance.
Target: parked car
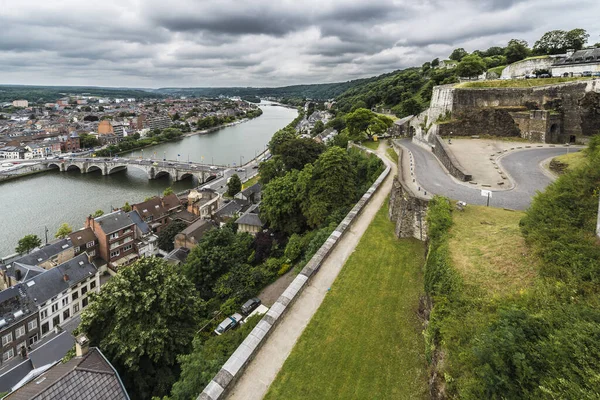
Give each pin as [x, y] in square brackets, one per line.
[228, 323]
[260, 310]
[250, 305]
[586, 73]
[240, 169]
[530, 76]
[213, 168]
[545, 76]
[255, 167]
[596, 74]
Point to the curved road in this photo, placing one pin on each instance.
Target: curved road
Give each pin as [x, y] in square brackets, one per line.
[522, 166]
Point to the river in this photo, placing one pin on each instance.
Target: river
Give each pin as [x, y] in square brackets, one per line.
[29, 204]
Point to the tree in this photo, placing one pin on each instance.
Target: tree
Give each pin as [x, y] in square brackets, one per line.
[280, 137]
[280, 204]
[28, 243]
[458, 54]
[553, 42]
[271, 169]
[296, 153]
[435, 62]
[216, 253]
[141, 320]
[168, 191]
[363, 122]
[318, 128]
[338, 123]
[168, 233]
[576, 39]
[332, 186]
[234, 185]
[471, 66]
[87, 141]
[410, 107]
[126, 207]
[63, 231]
[97, 214]
[516, 50]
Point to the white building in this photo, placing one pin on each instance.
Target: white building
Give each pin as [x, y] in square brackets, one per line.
[20, 103]
[61, 293]
[12, 153]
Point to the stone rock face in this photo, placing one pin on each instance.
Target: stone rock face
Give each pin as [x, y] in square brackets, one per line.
[408, 211]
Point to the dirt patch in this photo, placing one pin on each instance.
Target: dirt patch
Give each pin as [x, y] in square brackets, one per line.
[271, 293]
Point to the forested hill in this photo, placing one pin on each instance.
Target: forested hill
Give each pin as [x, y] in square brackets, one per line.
[321, 91]
[49, 94]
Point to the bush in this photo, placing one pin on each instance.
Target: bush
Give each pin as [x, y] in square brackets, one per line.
[294, 248]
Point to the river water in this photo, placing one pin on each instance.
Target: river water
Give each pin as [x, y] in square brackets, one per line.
[29, 204]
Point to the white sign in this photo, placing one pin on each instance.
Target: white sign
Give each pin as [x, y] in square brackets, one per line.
[486, 193]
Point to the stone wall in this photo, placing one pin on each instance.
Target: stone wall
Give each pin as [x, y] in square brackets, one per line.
[525, 67]
[235, 365]
[482, 121]
[444, 154]
[407, 208]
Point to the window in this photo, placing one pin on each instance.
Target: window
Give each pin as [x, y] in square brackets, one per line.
[84, 302]
[115, 254]
[77, 248]
[8, 355]
[74, 295]
[33, 339]
[56, 321]
[92, 284]
[92, 253]
[54, 307]
[31, 325]
[20, 331]
[65, 301]
[114, 235]
[75, 308]
[44, 314]
[90, 244]
[6, 339]
[127, 248]
[66, 314]
[84, 290]
[45, 328]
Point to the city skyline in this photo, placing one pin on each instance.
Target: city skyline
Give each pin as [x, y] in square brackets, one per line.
[215, 44]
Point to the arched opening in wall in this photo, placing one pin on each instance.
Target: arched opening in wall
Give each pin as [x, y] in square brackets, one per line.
[94, 169]
[54, 166]
[411, 131]
[554, 132]
[73, 168]
[210, 178]
[186, 177]
[162, 175]
[572, 139]
[117, 169]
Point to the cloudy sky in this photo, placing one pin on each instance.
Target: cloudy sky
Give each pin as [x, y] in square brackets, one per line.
[158, 43]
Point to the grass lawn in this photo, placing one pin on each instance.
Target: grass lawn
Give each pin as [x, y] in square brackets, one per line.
[371, 144]
[572, 160]
[517, 83]
[250, 182]
[365, 340]
[487, 249]
[392, 155]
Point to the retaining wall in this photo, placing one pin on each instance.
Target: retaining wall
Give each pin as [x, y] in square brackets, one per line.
[233, 369]
[444, 154]
[407, 208]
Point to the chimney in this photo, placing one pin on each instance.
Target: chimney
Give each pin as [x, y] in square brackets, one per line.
[82, 345]
[570, 52]
[66, 278]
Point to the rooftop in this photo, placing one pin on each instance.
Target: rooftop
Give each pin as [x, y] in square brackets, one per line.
[582, 57]
[115, 221]
[81, 237]
[46, 252]
[15, 305]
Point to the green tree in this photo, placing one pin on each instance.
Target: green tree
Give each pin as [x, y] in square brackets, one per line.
[516, 50]
[296, 153]
[28, 243]
[168, 233]
[279, 138]
[458, 54]
[365, 123]
[87, 141]
[553, 42]
[280, 204]
[332, 186]
[318, 128]
[410, 107]
[471, 66]
[435, 62]
[127, 207]
[168, 191]
[142, 319]
[337, 123]
[234, 185]
[271, 169]
[576, 39]
[63, 231]
[97, 213]
[218, 251]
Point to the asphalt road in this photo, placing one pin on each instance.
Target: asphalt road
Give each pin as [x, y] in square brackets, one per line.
[522, 166]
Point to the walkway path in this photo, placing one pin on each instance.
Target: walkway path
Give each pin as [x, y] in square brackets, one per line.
[261, 372]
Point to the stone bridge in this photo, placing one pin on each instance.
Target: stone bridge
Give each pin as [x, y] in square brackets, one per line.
[154, 169]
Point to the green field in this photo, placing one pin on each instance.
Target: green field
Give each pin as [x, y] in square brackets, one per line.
[517, 83]
[572, 160]
[365, 341]
[371, 144]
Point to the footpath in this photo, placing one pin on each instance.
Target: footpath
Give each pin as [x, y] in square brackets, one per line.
[263, 369]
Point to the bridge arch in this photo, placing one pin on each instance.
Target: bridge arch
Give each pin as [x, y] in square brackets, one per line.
[160, 173]
[186, 175]
[94, 168]
[117, 168]
[73, 167]
[54, 166]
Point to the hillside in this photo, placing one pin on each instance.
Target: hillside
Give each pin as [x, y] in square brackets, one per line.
[46, 94]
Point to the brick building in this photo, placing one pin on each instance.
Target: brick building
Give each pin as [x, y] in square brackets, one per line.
[116, 235]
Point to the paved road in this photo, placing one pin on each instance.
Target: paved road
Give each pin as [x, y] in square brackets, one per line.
[523, 166]
[263, 369]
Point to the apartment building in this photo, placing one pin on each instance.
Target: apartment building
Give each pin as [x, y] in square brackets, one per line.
[116, 234]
